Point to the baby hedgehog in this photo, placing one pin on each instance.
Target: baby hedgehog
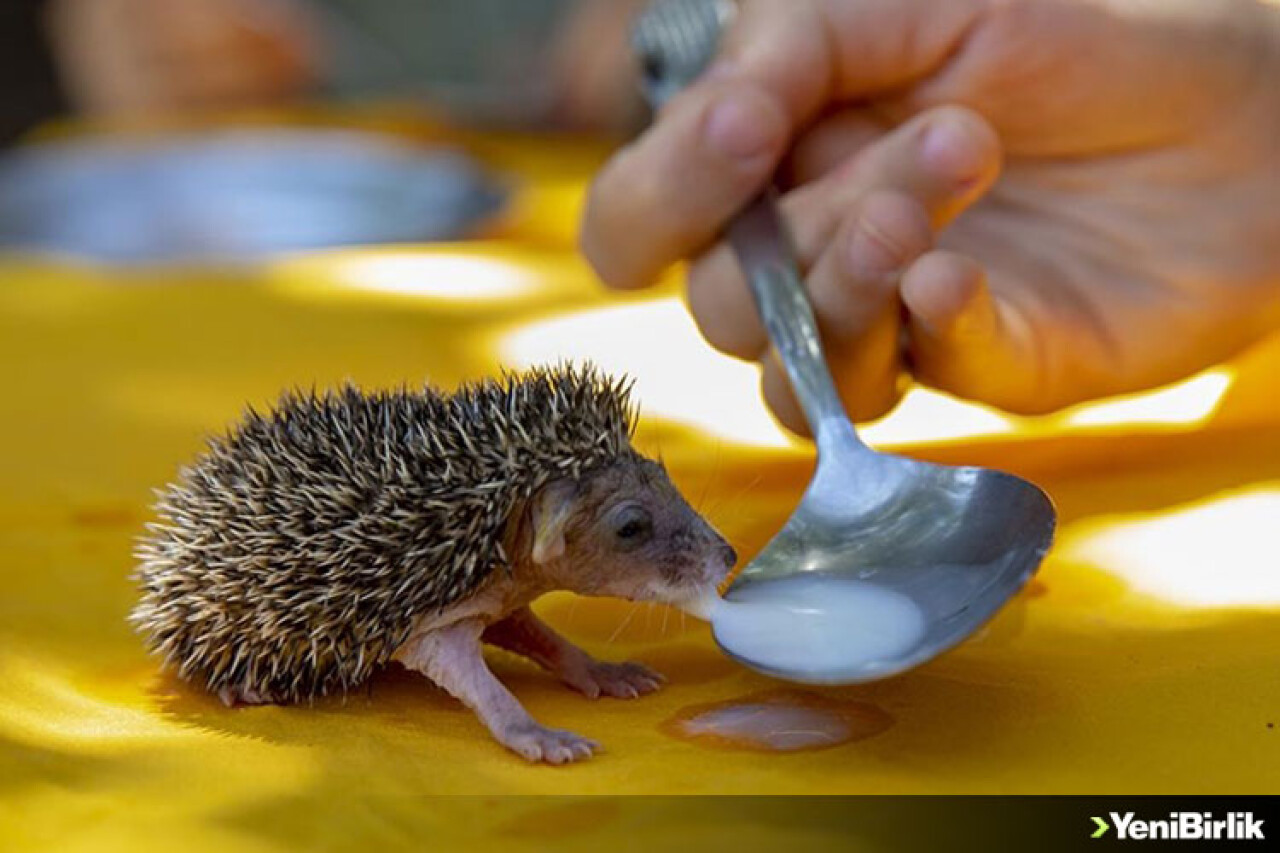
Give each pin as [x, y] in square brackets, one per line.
[346, 529]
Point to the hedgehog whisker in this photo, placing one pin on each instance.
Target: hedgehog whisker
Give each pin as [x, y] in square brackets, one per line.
[726, 501]
[623, 624]
[711, 477]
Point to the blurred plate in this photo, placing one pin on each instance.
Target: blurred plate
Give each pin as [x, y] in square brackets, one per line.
[236, 195]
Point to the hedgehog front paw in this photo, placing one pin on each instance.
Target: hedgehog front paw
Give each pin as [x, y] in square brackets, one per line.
[619, 680]
[539, 743]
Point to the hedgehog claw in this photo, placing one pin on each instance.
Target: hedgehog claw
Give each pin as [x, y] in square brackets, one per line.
[554, 746]
[628, 680]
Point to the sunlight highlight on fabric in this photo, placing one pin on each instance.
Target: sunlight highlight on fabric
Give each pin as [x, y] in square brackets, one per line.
[677, 374]
[434, 275]
[1189, 402]
[1213, 553]
[926, 416]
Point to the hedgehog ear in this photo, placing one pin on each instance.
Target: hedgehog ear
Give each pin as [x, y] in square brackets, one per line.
[552, 507]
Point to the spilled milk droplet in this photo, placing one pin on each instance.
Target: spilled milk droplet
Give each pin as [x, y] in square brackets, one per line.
[778, 721]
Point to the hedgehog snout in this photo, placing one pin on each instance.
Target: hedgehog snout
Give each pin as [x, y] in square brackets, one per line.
[713, 559]
[698, 595]
[729, 556]
[720, 562]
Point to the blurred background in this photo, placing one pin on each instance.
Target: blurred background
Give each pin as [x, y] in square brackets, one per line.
[142, 130]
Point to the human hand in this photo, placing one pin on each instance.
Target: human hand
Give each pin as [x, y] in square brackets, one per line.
[151, 57]
[1131, 237]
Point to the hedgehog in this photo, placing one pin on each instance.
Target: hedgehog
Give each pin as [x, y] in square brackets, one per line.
[342, 530]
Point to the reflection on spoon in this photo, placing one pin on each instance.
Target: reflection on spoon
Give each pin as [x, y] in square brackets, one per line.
[817, 628]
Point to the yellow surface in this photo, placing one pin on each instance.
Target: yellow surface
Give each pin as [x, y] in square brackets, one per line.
[1143, 659]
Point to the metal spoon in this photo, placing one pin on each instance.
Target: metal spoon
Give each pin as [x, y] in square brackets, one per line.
[957, 542]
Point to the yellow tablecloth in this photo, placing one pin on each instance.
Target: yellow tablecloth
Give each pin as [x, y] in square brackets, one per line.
[1144, 658]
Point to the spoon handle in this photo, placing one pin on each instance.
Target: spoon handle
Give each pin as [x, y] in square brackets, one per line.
[763, 248]
[674, 40]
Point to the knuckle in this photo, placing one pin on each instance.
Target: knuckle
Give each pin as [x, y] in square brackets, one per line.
[896, 222]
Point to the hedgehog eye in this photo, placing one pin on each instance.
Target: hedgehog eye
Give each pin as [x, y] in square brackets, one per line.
[632, 527]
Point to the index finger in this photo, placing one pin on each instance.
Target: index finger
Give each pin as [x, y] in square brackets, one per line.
[671, 192]
[668, 194]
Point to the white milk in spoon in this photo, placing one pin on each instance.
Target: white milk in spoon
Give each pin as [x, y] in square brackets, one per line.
[817, 624]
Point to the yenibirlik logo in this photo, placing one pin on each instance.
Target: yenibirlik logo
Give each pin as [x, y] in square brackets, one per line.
[1183, 826]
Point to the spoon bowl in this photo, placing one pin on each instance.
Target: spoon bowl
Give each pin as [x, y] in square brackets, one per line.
[956, 543]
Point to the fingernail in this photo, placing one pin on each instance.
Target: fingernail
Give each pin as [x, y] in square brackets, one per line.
[872, 255]
[951, 150]
[741, 126]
